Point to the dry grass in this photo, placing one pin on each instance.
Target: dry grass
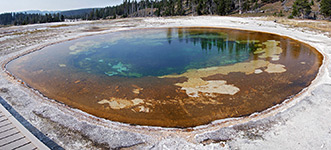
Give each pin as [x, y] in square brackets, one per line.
[58, 26]
[251, 15]
[320, 26]
[28, 32]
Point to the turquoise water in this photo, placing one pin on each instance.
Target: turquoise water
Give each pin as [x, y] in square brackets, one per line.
[158, 52]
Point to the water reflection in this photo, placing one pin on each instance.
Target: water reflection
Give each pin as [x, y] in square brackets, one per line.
[157, 57]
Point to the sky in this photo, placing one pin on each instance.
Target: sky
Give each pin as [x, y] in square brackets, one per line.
[52, 5]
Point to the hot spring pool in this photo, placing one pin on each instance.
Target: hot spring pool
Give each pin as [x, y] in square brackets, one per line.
[171, 77]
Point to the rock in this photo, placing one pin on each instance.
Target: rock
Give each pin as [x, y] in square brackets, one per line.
[182, 144]
[4, 90]
[223, 134]
[258, 71]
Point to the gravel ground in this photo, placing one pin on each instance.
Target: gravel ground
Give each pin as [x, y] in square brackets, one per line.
[300, 123]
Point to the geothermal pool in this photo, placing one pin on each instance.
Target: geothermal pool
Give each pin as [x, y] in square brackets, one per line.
[171, 77]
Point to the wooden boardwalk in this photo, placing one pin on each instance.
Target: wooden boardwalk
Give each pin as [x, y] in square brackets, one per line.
[13, 135]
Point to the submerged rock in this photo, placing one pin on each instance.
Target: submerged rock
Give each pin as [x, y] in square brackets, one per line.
[62, 65]
[275, 68]
[258, 71]
[117, 103]
[212, 88]
[111, 73]
[120, 67]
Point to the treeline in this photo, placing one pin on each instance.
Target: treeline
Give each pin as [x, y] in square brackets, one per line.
[23, 18]
[302, 8]
[143, 8]
[326, 8]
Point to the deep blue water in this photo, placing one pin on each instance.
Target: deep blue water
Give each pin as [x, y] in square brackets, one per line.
[161, 52]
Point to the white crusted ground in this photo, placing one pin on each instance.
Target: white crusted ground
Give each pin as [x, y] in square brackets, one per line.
[303, 123]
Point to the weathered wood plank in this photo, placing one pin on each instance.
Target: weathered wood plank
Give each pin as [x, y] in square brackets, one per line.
[10, 139]
[15, 143]
[3, 119]
[3, 123]
[8, 134]
[6, 129]
[27, 146]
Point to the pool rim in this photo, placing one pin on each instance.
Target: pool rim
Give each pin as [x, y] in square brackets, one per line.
[287, 103]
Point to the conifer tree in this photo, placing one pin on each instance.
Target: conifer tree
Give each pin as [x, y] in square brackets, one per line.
[326, 8]
[301, 8]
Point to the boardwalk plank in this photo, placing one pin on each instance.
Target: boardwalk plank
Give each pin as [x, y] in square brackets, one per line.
[9, 133]
[7, 129]
[3, 119]
[10, 139]
[15, 143]
[4, 123]
[28, 146]
[13, 135]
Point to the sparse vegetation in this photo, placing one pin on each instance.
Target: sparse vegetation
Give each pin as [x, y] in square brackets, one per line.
[302, 8]
[60, 25]
[317, 26]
